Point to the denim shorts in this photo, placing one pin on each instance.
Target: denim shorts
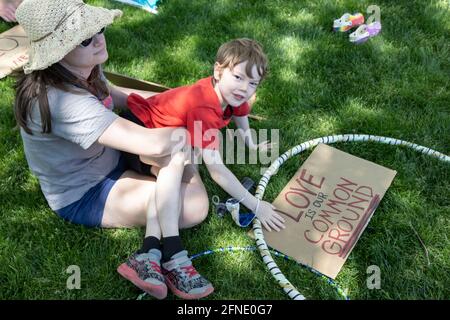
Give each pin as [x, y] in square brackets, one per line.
[88, 211]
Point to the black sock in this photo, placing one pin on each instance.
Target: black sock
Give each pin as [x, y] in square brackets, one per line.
[150, 243]
[171, 246]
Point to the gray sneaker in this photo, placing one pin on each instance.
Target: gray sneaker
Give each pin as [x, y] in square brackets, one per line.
[144, 271]
[182, 278]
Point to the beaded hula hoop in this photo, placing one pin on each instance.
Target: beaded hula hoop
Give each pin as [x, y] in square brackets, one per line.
[330, 281]
[261, 244]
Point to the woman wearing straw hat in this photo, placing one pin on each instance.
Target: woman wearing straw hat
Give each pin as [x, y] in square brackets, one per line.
[72, 140]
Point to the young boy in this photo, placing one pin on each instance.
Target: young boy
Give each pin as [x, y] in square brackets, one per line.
[203, 109]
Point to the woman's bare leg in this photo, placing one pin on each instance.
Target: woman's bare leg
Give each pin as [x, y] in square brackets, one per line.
[129, 203]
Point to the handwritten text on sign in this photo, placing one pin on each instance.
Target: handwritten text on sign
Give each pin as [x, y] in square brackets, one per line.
[328, 203]
[332, 218]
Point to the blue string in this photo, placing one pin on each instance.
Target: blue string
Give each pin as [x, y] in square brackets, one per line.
[277, 253]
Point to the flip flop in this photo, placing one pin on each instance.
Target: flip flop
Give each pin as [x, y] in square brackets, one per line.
[364, 32]
[240, 218]
[374, 28]
[348, 21]
[361, 35]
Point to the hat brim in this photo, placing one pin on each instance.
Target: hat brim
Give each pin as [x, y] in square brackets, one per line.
[83, 24]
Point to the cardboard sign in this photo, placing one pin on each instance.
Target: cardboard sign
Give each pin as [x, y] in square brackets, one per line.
[132, 83]
[14, 45]
[327, 205]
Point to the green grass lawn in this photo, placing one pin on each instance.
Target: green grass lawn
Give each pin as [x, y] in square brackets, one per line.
[395, 85]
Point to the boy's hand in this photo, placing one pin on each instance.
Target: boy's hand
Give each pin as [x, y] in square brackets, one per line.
[252, 100]
[269, 218]
[263, 146]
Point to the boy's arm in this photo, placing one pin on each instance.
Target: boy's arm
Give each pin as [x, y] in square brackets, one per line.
[226, 179]
[229, 183]
[245, 133]
[243, 124]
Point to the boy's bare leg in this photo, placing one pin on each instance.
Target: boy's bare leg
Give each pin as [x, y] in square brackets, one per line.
[190, 173]
[165, 223]
[152, 227]
[168, 186]
[160, 214]
[185, 284]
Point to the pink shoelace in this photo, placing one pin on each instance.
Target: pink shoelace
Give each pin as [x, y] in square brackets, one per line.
[190, 270]
[155, 266]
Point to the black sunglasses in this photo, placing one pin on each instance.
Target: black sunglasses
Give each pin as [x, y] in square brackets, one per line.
[87, 42]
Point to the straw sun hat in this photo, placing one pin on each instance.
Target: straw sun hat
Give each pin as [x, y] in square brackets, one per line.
[56, 27]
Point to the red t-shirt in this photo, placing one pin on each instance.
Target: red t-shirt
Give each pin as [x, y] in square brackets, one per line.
[195, 107]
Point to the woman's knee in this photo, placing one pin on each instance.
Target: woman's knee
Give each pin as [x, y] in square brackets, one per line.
[127, 201]
[195, 207]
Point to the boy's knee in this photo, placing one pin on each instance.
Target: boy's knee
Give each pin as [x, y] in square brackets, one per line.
[179, 158]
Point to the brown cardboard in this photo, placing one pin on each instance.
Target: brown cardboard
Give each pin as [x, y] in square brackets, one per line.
[131, 83]
[327, 205]
[13, 50]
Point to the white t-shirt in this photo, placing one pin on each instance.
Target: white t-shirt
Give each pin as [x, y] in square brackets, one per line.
[69, 160]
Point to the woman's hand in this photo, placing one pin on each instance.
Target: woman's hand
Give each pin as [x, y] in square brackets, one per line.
[8, 10]
[268, 217]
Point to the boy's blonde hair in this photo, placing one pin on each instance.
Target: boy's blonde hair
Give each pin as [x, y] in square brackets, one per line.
[236, 51]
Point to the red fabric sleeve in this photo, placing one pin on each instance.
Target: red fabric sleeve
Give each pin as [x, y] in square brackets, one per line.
[140, 108]
[242, 110]
[204, 126]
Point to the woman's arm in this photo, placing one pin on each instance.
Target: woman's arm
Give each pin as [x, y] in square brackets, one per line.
[127, 136]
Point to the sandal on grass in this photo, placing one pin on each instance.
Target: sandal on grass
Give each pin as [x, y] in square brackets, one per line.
[364, 32]
[348, 21]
